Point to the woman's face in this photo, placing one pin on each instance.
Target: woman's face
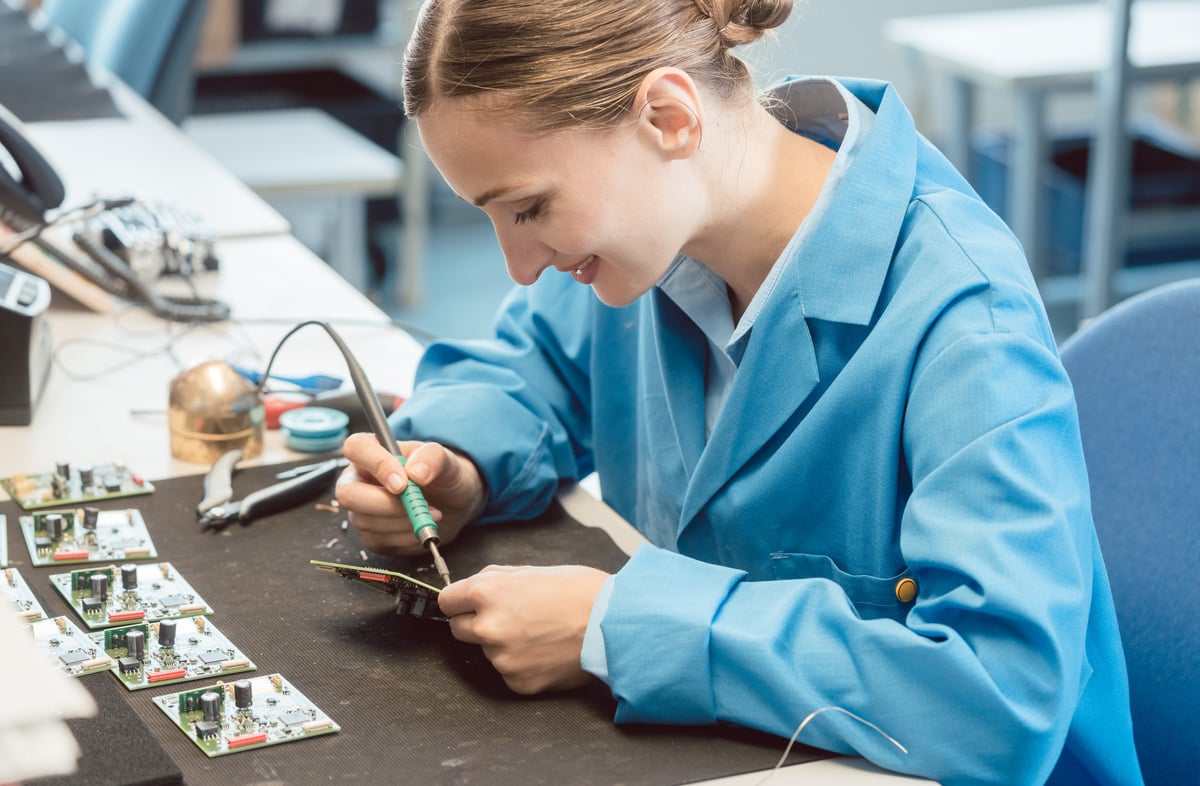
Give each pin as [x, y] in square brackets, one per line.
[607, 208]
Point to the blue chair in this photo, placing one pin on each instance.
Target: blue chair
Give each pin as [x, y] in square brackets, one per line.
[149, 45]
[1136, 372]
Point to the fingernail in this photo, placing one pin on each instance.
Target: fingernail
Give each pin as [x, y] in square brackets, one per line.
[418, 472]
[394, 483]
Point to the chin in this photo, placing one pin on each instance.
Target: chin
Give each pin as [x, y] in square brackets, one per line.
[615, 299]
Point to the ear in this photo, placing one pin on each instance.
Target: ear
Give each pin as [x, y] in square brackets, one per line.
[669, 112]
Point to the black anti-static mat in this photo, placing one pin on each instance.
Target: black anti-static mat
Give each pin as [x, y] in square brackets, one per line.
[38, 81]
[414, 704]
[117, 746]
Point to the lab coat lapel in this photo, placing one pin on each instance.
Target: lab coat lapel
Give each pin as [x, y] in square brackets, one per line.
[682, 353]
[835, 275]
[783, 374]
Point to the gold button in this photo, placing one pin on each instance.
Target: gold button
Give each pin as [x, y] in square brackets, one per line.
[906, 590]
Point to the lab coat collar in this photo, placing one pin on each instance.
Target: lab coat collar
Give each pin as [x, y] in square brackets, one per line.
[839, 268]
[835, 274]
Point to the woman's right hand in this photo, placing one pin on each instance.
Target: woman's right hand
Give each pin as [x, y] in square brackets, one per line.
[369, 491]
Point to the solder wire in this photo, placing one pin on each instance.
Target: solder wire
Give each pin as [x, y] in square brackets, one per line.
[796, 735]
[412, 498]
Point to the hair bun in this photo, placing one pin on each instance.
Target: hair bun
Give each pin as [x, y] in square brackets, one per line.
[748, 20]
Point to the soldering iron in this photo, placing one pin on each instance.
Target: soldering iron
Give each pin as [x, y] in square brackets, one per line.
[412, 498]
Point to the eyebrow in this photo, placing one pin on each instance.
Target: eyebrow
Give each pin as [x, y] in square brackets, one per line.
[492, 193]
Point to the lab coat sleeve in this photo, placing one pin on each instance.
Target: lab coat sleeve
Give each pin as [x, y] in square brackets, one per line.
[980, 681]
[516, 404]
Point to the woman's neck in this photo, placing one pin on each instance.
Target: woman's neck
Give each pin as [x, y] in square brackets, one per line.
[763, 179]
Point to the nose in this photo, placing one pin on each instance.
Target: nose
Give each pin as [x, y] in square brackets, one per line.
[524, 256]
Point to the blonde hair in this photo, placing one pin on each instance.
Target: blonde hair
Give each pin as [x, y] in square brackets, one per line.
[560, 64]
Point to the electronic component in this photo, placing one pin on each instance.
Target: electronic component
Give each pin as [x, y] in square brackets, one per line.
[69, 647]
[65, 537]
[413, 596]
[252, 713]
[170, 651]
[17, 591]
[68, 485]
[3, 541]
[103, 597]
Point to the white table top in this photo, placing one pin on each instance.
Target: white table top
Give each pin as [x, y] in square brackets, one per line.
[143, 155]
[103, 404]
[290, 152]
[1055, 45]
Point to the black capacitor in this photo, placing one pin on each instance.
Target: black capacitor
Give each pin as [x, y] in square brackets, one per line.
[91, 517]
[54, 525]
[166, 633]
[63, 469]
[58, 486]
[243, 695]
[85, 477]
[210, 706]
[99, 586]
[135, 644]
[129, 577]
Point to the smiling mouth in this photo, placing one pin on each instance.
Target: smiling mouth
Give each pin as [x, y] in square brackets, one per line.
[584, 265]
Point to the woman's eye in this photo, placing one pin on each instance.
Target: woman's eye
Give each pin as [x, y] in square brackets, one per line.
[528, 215]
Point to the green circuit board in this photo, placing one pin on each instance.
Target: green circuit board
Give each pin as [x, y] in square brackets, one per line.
[15, 588]
[69, 647]
[77, 535]
[67, 486]
[112, 595]
[147, 655]
[229, 717]
[412, 596]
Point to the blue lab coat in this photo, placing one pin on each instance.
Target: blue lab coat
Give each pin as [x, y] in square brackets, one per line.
[891, 514]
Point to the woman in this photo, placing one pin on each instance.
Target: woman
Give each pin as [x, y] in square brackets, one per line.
[805, 361]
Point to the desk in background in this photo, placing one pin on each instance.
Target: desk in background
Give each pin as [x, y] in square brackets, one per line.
[1030, 54]
[304, 159]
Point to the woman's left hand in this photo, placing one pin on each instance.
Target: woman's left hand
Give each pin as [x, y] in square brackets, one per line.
[529, 620]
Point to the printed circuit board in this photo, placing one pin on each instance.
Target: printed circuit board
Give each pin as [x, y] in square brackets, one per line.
[65, 537]
[69, 647]
[67, 485]
[108, 596]
[251, 713]
[18, 593]
[169, 651]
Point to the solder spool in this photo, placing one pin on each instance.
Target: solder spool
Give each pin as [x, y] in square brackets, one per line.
[212, 409]
[314, 429]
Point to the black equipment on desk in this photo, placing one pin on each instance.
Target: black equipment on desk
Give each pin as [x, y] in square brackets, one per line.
[116, 252]
[24, 344]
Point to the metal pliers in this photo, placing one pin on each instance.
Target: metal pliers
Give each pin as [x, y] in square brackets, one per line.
[218, 509]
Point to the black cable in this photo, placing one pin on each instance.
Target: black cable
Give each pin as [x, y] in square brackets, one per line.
[170, 308]
[424, 527]
[33, 230]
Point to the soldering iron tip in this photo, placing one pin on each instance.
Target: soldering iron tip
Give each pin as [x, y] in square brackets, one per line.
[439, 563]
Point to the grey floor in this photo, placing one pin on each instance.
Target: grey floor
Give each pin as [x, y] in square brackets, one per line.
[464, 279]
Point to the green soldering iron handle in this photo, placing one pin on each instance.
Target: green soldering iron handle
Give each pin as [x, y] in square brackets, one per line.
[413, 499]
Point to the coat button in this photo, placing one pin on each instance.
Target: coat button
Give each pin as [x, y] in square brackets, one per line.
[906, 590]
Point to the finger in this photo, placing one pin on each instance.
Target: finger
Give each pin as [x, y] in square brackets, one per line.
[462, 627]
[428, 462]
[366, 497]
[374, 460]
[391, 543]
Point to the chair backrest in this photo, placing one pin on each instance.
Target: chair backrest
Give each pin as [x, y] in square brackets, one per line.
[1136, 372]
[148, 44]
